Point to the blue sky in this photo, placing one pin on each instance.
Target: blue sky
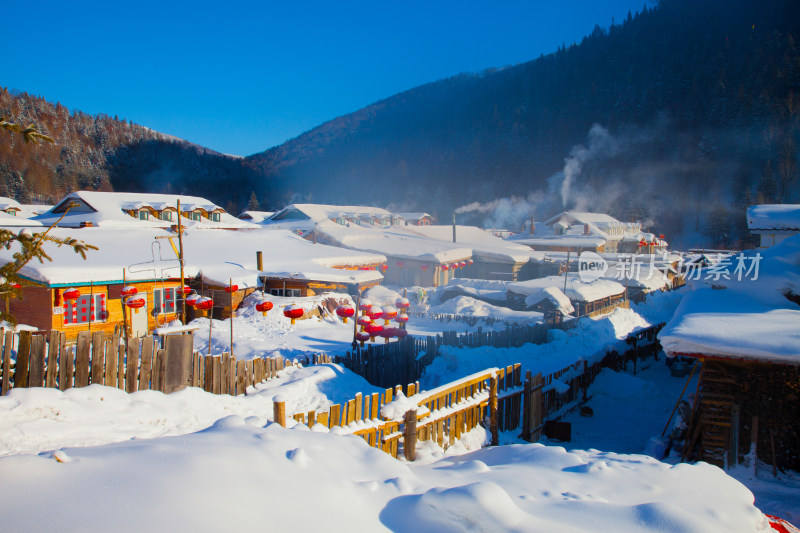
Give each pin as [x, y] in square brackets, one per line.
[241, 77]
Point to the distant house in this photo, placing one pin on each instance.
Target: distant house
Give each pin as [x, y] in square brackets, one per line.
[774, 222]
[416, 219]
[255, 217]
[593, 298]
[137, 210]
[492, 258]
[10, 206]
[596, 232]
[411, 259]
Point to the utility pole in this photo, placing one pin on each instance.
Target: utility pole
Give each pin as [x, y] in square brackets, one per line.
[180, 259]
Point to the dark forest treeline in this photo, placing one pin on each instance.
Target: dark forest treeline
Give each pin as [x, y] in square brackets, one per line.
[680, 116]
[698, 103]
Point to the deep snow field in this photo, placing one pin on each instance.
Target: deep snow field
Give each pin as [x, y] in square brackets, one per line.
[98, 459]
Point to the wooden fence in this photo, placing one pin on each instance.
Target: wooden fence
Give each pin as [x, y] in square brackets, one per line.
[46, 361]
[498, 399]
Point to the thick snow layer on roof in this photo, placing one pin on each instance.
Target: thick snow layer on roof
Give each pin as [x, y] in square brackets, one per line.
[255, 217]
[555, 296]
[774, 216]
[484, 246]
[7, 220]
[6, 203]
[319, 212]
[577, 290]
[395, 241]
[109, 211]
[216, 255]
[749, 319]
[567, 241]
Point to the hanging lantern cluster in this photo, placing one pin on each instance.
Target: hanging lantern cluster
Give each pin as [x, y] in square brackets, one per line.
[371, 314]
[293, 312]
[345, 311]
[263, 306]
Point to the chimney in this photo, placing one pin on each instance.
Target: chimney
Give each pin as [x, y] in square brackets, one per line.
[259, 261]
[532, 227]
[586, 229]
[454, 226]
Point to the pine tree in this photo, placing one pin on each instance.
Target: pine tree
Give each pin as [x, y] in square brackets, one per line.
[253, 204]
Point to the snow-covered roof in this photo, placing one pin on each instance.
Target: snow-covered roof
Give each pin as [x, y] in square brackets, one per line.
[255, 217]
[565, 241]
[7, 220]
[484, 246]
[216, 255]
[584, 218]
[394, 241]
[414, 216]
[780, 217]
[555, 296]
[9, 203]
[750, 319]
[107, 209]
[639, 276]
[577, 290]
[319, 212]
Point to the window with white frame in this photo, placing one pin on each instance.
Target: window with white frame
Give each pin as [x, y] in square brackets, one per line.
[144, 214]
[215, 217]
[164, 301]
[85, 309]
[166, 215]
[288, 293]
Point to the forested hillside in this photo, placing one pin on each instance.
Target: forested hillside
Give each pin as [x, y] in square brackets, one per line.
[104, 153]
[680, 116]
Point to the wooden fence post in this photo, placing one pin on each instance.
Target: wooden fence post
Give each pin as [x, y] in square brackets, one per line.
[279, 412]
[23, 358]
[526, 408]
[493, 409]
[9, 339]
[410, 435]
[178, 351]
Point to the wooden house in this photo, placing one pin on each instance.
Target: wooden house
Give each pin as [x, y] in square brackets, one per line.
[773, 222]
[137, 210]
[588, 299]
[744, 335]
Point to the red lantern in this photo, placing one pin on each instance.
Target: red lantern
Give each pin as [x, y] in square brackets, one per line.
[135, 303]
[402, 319]
[364, 321]
[470, 261]
[372, 330]
[400, 333]
[661, 237]
[203, 303]
[362, 338]
[293, 312]
[191, 299]
[231, 288]
[384, 268]
[129, 290]
[71, 294]
[263, 306]
[388, 314]
[364, 305]
[445, 267]
[345, 311]
[387, 333]
[402, 303]
[374, 312]
[462, 264]
[642, 243]
[16, 285]
[186, 290]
